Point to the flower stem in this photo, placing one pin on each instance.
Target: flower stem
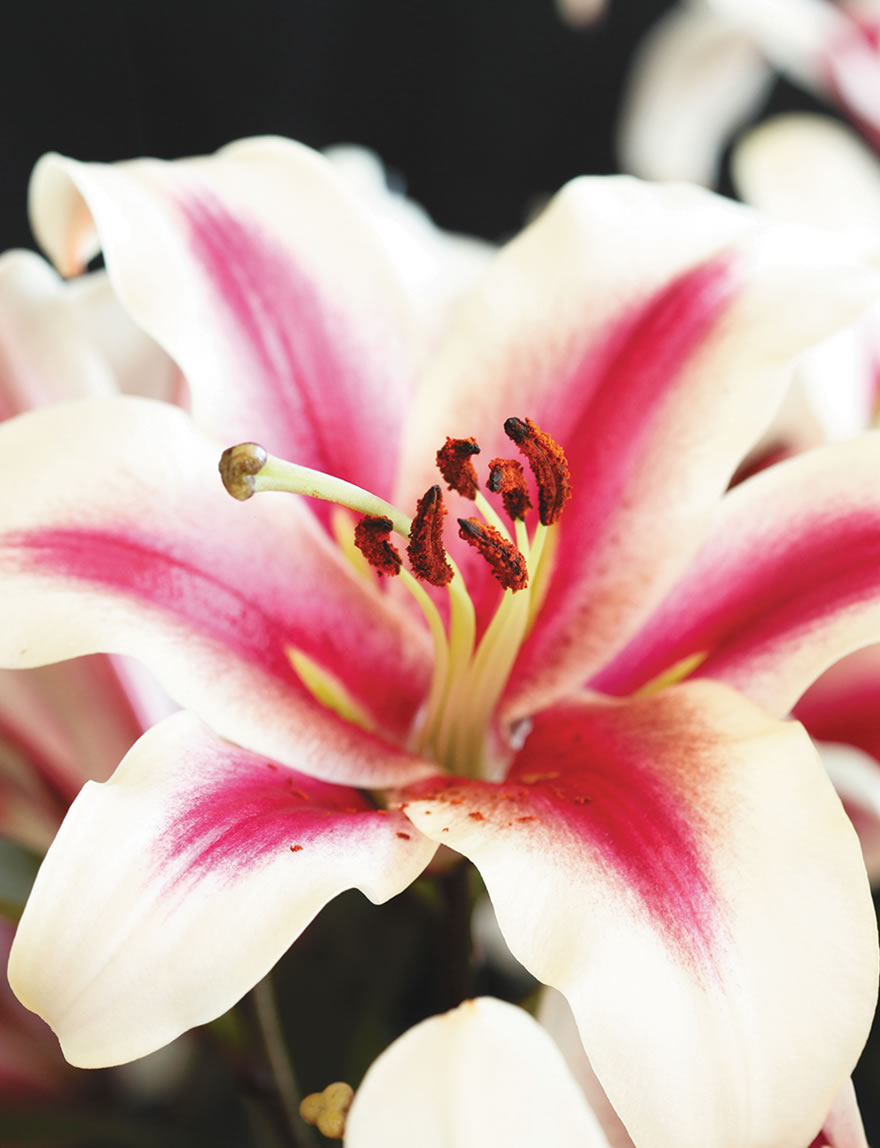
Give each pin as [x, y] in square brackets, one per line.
[284, 1099]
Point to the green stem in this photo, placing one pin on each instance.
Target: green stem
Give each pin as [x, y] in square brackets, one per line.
[456, 887]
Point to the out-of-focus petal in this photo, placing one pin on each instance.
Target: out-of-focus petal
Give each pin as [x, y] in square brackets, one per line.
[651, 330]
[122, 539]
[60, 341]
[555, 1015]
[579, 13]
[484, 1073]
[787, 582]
[174, 887]
[809, 169]
[843, 1127]
[637, 861]
[262, 276]
[694, 81]
[435, 266]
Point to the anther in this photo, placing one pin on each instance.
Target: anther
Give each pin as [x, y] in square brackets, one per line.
[238, 467]
[371, 536]
[426, 551]
[507, 479]
[454, 463]
[508, 565]
[549, 466]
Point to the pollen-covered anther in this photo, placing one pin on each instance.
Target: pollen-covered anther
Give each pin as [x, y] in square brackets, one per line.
[506, 478]
[371, 536]
[426, 551]
[455, 463]
[239, 465]
[549, 466]
[508, 564]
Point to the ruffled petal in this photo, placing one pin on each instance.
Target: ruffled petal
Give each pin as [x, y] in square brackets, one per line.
[787, 583]
[173, 888]
[122, 539]
[668, 864]
[695, 80]
[484, 1073]
[262, 276]
[651, 330]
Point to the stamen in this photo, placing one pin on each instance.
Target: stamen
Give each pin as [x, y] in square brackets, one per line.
[239, 465]
[508, 565]
[548, 463]
[371, 537]
[454, 463]
[426, 551]
[506, 478]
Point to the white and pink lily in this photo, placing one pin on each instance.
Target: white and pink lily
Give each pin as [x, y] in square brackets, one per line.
[664, 851]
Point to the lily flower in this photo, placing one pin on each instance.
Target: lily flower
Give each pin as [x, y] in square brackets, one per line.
[590, 707]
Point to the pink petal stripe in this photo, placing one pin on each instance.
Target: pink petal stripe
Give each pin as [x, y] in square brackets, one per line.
[211, 594]
[174, 887]
[587, 788]
[787, 582]
[303, 394]
[245, 812]
[842, 706]
[851, 71]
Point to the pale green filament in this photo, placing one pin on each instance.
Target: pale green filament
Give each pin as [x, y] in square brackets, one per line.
[490, 514]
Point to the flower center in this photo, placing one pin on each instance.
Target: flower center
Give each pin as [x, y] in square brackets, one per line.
[455, 726]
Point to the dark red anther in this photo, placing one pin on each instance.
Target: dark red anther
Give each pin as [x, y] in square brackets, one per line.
[454, 461]
[426, 551]
[507, 479]
[371, 537]
[508, 565]
[549, 466]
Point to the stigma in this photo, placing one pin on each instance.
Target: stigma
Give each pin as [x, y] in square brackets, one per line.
[455, 726]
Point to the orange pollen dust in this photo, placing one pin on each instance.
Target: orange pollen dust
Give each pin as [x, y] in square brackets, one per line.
[507, 479]
[454, 461]
[426, 551]
[508, 564]
[371, 537]
[549, 466]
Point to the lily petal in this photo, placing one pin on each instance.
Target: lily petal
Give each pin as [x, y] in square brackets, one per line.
[694, 81]
[637, 862]
[263, 277]
[787, 583]
[60, 341]
[484, 1073]
[637, 324]
[122, 539]
[193, 869]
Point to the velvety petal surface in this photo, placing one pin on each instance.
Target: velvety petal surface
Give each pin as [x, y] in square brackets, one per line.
[122, 539]
[173, 888]
[651, 330]
[787, 582]
[694, 81]
[264, 278]
[668, 863]
[484, 1073]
